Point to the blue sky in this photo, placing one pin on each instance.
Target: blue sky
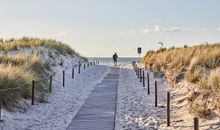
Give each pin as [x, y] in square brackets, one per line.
[102, 27]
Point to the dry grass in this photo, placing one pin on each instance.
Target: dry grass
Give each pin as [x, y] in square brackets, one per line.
[199, 65]
[12, 77]
[183, 59]
[25, 42]
[201, 111]
[21, 69]
[214, 81]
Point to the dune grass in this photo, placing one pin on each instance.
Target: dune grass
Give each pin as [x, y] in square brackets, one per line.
[12, 77]
[189, 59]
[20, 68]
[25, 42]
[199, 65]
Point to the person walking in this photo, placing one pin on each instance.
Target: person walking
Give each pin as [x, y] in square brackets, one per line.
[115, 58]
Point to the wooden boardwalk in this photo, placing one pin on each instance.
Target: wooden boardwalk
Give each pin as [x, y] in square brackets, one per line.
[98, 111]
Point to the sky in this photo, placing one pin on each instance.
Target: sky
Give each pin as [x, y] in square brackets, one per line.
[97, 28]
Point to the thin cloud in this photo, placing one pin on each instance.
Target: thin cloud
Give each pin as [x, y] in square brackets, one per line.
[61, 34]
[204, 29]
[131, 31]
[146, 30]
[218, 28]
[159, 29]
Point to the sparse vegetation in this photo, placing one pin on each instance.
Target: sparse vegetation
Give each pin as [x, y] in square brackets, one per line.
[199, 66]
[25, 42]
[20, 68]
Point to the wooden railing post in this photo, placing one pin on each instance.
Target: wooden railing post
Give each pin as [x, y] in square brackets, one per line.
[63, 78]
[73, 73]
[50, 88]
[79, 67]
[32, 93]
[140, 73]
[168, 108]
[1, 107]
[196, 123]
[143, 78]
[148, 84]
[155, 93]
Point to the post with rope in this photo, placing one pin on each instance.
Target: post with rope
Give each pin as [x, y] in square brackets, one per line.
[73, 73]
[143, 79]
[32, 95]
[140, 73]
[63, 78]
[136, 68]
[79, 67]
[155, 93]
[50, 87]
[196, 123]
[148, 84]
[168, 108]
[1, 107]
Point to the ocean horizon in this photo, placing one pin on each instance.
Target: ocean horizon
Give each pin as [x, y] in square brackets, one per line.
[109, 60]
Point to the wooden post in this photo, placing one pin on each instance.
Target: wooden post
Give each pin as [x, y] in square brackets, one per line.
[140, 73]
[148, 84]
[155, 93]
[143, 78]
[79, 67]
[32, 95]
[72, 73]
[1, 107]
[63, 78]
[50, 88]
[196, 123]
[168, 108]
[136, 70]
[84, 66]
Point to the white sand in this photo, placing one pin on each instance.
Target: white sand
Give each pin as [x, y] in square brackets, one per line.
[63, 103]
[135, 108]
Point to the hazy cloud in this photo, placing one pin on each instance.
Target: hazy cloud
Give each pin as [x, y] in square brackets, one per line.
[157, 28]
[218, 28]
[146, 30]
[62, 34]
[160, 29]
[204, 29]
[131, 31]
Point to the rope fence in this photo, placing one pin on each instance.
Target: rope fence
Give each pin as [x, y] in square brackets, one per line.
[140, 73]
[50, 81]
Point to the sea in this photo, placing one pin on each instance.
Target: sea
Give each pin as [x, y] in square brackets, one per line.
[109, 60]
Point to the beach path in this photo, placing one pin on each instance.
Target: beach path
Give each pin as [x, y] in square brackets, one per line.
[98, 111]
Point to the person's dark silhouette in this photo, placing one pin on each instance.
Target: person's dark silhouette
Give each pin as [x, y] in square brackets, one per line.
[115, 58]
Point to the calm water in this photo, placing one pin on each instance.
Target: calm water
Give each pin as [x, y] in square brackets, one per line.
[109, 60]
